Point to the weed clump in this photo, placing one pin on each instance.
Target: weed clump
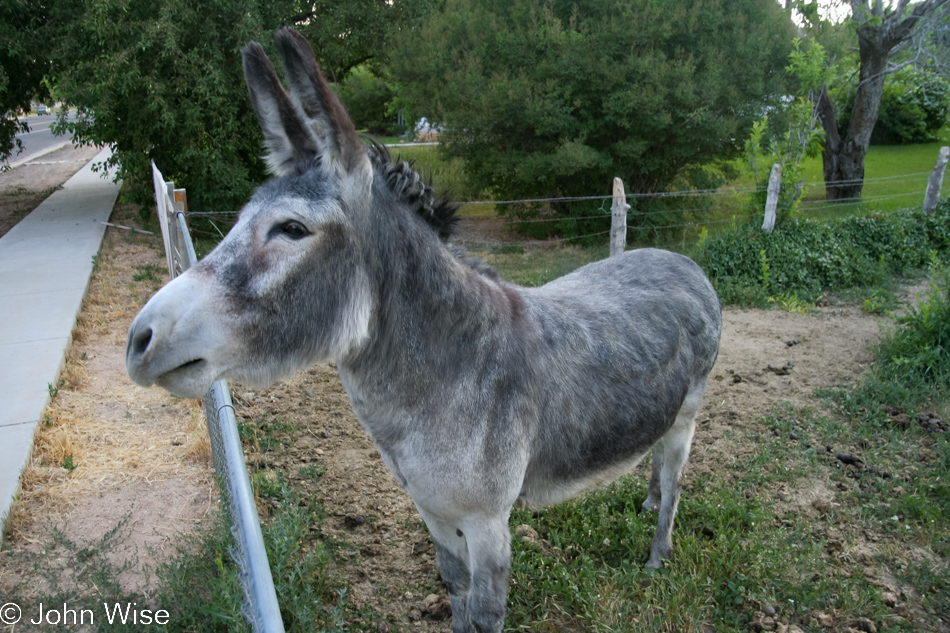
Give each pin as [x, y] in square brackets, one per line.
[807, 257]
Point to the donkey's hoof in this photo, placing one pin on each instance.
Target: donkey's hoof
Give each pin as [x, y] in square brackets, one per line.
[654, 564]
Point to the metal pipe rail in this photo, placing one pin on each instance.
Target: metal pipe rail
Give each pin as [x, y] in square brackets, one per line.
[260, 605]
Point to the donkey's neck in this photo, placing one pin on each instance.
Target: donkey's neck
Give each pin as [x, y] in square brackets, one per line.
[432, 314]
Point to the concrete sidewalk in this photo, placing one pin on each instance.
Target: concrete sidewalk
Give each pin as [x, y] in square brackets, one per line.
[45, 264]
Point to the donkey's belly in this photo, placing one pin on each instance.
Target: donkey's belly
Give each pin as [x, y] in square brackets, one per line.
[539, 491]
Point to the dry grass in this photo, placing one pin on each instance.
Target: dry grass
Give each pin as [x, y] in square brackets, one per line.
[100, 432]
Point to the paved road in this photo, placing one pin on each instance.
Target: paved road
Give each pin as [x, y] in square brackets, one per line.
[39, 137]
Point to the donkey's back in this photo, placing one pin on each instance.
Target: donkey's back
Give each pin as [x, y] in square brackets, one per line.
[626, 346]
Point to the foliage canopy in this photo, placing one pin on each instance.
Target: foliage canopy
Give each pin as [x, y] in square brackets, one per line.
[559, 97]
[163, 80]
[23, 64]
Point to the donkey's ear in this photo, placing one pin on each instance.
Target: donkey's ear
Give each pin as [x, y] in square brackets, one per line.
[340, 147]
[288, 139]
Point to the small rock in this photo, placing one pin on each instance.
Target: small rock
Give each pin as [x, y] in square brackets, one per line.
[414, 614]
[784, 370]
[762, 622]
[354, 520]
[863, 624]
[526, 532]
[848, 458]
[768, 609]
[436, 607]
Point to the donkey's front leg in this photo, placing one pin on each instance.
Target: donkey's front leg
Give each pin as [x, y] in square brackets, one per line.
[474, 558]
[489, 547]
[451, 557]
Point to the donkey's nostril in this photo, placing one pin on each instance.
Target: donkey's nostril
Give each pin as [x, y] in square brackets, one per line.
[141, 340]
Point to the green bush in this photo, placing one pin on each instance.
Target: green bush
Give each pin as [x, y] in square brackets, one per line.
[917, 352]
[807, 257]
[367, 98]
[915, 106]
[555, 99]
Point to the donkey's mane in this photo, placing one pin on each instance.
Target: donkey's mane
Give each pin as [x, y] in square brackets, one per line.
[411, 188]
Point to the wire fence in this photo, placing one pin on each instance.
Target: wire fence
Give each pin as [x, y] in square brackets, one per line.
[717, 209]
[260, 605]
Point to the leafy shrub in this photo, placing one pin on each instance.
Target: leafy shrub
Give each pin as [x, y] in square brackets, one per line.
[367, 98]
[807, 256]
[918, 350]
[915, 106]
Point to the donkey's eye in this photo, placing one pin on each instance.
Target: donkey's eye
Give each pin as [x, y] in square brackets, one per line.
[294, 230]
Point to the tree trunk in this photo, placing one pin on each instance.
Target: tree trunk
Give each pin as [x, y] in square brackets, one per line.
[843, 159]
[879, 32]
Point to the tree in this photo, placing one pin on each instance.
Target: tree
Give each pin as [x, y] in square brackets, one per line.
[882, 32]
[556, 98]
[791, 131]
[161, 80]
[23, 64]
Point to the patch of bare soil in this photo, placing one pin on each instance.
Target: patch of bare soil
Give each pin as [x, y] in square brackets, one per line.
[24, 188]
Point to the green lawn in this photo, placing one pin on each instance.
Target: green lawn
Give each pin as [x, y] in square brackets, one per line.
[895, 177]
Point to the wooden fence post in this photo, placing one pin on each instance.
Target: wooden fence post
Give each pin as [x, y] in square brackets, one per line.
[771, 202]
[936, 181]
[618, 219]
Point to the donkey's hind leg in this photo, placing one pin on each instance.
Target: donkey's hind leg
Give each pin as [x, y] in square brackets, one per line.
[669, 460]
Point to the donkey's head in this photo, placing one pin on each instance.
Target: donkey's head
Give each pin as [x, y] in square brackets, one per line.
[288, 286]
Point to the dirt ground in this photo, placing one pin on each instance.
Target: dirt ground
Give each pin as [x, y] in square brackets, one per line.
[395, 569]
[143, 455]
[139, 457]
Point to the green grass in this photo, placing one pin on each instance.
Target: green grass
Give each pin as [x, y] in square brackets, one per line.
[740, 546]
[536, 268]
[889, 183]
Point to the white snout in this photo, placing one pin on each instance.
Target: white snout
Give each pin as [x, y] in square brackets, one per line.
[175, 342]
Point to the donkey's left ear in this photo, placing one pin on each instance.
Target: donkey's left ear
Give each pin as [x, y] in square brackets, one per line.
[288, 139]
[340, 146]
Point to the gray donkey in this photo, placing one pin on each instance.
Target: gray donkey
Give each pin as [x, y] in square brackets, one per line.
[478, 393]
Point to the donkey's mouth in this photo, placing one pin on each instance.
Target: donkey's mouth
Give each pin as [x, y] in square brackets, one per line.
[187, 380]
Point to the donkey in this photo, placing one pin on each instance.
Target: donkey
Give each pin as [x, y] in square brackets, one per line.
[478, 393]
